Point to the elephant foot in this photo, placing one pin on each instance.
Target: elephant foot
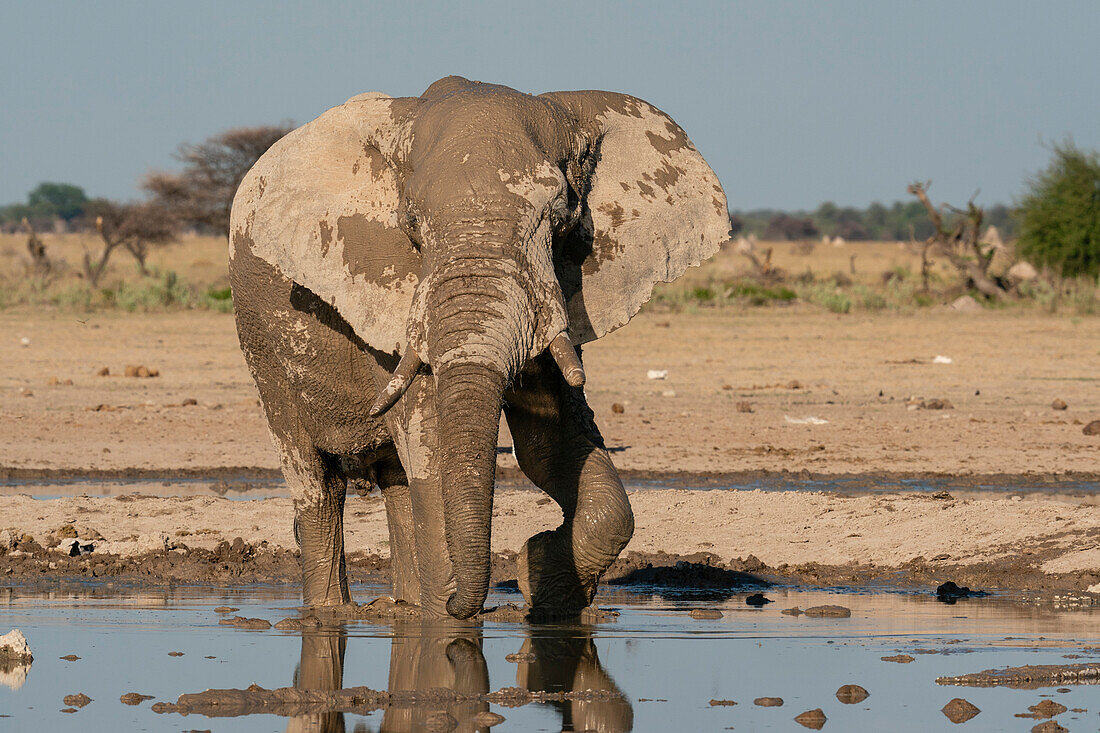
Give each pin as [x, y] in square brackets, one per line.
[548, 577]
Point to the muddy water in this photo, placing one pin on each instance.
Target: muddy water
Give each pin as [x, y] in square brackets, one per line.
[245, 487]
[654, 668]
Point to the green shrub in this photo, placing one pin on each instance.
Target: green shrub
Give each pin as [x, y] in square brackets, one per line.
[159, 290]
[1060, 215]
[828, 296]
[703, 294]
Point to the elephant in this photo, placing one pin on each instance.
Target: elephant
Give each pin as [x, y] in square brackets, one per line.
[406, 269]
[431, 658]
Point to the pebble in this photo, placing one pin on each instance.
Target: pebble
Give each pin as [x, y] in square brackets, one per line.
[959, 710]
[813, 719]
[134, 698]
[899, 658]
[78, 700]
[1093, 428]
[487, 719]
[705, 613]
[1059, 404]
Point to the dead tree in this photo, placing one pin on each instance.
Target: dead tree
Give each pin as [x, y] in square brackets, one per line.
[959, 244]
[202, 193]
[41, 266]
[133, 227]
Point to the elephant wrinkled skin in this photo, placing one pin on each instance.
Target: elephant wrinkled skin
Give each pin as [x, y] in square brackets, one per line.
[404, 270]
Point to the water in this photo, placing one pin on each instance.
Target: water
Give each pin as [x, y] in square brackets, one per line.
[258, 487]
[666, 665]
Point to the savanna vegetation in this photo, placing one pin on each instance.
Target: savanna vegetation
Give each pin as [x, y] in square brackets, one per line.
[56, 248]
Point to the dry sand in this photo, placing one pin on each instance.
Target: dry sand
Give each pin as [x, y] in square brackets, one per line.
[1006, 369]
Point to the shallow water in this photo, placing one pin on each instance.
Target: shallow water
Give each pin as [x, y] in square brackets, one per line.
[247, 488]
[666, 665]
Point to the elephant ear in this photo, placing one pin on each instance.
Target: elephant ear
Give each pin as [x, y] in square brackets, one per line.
[651, 208]
[321, 207]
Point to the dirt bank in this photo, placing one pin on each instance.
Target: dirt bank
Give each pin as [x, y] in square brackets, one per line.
[856, 372]
[730, 537]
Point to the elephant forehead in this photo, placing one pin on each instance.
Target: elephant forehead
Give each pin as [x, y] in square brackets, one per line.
[536, 184]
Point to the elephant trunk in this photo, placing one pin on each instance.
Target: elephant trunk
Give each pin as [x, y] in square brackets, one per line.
[479, 332]
[470, 398]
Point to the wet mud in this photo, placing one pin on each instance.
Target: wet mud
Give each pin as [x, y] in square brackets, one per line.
[1029, 677]
[707, 575]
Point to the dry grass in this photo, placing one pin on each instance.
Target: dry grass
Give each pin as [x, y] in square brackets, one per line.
[192, 273]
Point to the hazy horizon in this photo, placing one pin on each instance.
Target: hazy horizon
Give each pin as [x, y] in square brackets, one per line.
[793, 104]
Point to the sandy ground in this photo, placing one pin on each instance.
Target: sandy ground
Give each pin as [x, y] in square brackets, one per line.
[856, 372]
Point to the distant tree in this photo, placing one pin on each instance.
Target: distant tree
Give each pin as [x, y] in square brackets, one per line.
[133, 226]
[47, 203]
[737, 224]
[63, 200]
[792, 228]
[202, 193]
[851, 230]
[1060, 214]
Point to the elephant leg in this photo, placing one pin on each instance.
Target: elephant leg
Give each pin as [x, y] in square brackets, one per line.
[414, 426]
[318, 487]
[404, 568]
[560, 449]
[321, 668]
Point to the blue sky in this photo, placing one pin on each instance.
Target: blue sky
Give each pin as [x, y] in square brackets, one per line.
[793, 103]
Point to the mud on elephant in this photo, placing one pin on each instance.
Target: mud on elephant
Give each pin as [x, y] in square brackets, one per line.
[405, 269]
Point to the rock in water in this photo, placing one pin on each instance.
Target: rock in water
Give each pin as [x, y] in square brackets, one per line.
[959, 710]
[706, 613]
[852, 694]
[14, 648]
[949, 592]
[1048, 709]
[757, 599]
[768, 702]
[829, 611]
[812, 719]
[134, 698]
[78, 700]
[1050, 726]
[487, 719]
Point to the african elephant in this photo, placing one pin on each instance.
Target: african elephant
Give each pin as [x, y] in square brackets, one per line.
[481, 234]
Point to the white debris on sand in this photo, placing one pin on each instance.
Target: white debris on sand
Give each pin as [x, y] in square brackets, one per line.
[941, 359]
[657, 374]
[808, 420]
[965, 304]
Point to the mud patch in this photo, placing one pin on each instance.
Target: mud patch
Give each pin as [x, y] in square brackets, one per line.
[292, 701]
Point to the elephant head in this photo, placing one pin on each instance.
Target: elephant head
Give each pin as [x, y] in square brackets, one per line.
[472, 228]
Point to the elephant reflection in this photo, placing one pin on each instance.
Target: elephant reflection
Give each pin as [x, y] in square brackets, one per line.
[433, 657]
[565, 660]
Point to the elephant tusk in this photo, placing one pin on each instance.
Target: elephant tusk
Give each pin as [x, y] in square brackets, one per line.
[402, 378]
[561, 348]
